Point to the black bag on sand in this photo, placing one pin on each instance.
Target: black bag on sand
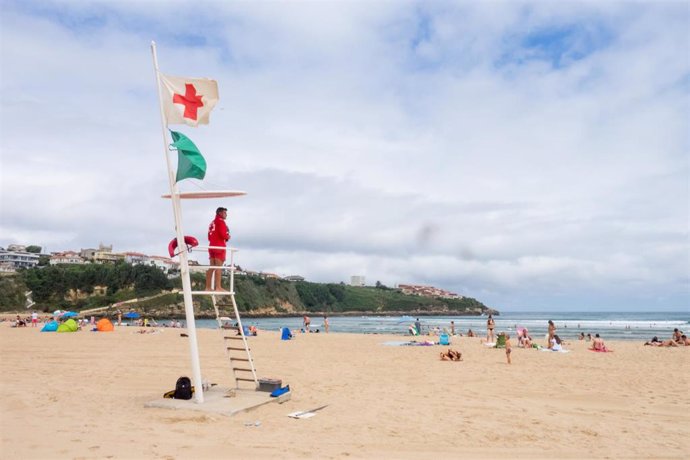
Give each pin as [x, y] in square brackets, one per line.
[183, 388]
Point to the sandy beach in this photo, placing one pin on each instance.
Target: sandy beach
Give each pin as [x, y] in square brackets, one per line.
[82, 395]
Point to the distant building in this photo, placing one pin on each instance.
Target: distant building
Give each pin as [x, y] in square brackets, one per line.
[164, 263]
[104, 254]
[67, 257]
[12, 258]
[294, 278]
[357, 280]
[427, 291]
[135, 258]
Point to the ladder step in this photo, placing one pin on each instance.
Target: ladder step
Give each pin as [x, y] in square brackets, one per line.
[245, 380]
[240, 359]
[236, 348]
[233, 337]
[198, 268]
[241, 369]
[213, 293]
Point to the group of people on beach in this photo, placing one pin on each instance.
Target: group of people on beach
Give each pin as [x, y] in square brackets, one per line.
[306, 325]
[677, 339]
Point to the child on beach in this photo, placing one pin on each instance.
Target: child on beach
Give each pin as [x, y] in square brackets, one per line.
[508, 349]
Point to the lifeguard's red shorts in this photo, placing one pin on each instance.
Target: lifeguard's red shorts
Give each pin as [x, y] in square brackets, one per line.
[217, 254]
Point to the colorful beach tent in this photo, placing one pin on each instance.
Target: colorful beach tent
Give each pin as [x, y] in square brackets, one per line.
[68, 326]
[69, 314]
[51, 326]
[131, 315]
[286, 335]
[104, 325]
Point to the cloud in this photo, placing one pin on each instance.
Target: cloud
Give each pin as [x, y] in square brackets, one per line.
[526, 155]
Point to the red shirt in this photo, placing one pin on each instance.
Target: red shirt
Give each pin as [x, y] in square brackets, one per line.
[218, 234]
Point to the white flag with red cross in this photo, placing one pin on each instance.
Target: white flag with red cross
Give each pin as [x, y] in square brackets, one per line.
[188, 101]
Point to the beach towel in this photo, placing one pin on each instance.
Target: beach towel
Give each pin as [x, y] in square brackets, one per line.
[51, 326]
[555, 351]
[605, 350]
[413, 343]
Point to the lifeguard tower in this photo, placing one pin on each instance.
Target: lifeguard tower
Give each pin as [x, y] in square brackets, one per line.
[243, 393]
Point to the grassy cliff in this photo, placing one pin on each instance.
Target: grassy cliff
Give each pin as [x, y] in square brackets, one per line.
[85, 287]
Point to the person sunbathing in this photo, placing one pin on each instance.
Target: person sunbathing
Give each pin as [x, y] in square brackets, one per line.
[452, 355]
[655, 342]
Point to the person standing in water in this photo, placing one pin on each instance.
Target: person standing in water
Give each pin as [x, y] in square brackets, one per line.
[490, 323]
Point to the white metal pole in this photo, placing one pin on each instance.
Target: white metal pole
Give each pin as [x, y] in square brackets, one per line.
[184, 265]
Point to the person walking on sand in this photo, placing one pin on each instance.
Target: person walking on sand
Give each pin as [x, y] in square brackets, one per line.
[218, 235]
[508, 349]
[452, 328]
[325, 323]
[34, 319]
[306, 321]
[490, 323]
[418, 326]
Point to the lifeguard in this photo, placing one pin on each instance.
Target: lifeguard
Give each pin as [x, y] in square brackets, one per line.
[218, 235]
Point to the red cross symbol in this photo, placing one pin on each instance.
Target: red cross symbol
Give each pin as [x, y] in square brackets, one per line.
[190, 100]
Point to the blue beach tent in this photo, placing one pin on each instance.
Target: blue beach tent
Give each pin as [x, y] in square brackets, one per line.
[286, 335]
[444, 339]
[51, 326]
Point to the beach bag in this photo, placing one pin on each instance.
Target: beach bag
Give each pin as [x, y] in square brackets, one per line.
[183, 388]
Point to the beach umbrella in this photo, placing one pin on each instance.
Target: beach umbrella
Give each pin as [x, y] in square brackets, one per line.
[131, 315]
[69, 314]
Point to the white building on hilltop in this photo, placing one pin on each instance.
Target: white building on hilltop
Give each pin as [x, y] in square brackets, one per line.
[67, 257]
[14, 259]
[357, 280]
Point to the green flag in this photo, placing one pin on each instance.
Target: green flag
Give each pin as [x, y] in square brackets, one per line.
[190, 163]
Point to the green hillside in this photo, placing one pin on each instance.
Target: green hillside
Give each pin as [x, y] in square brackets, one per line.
[83, 287]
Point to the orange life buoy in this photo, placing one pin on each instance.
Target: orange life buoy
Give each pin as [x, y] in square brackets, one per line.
[190, 241]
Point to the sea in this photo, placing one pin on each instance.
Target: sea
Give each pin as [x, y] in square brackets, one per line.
[636, 326]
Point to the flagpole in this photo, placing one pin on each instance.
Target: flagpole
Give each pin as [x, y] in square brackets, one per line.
[184, 265]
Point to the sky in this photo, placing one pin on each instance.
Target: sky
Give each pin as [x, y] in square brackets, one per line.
[534, 156]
